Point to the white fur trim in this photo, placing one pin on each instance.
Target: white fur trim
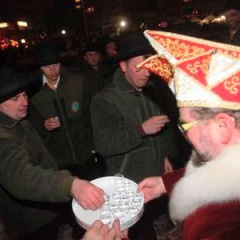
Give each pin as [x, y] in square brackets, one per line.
[215, 181]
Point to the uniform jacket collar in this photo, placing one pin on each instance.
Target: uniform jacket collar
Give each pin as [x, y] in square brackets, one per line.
[214, 182]
[122, 83]
[63, 76]
[7, 122]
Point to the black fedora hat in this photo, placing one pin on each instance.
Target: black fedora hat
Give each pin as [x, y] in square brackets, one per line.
[131, 45]
[232, 4]
[90, 47]
[47, 54]
[106, 40]
[12, 83]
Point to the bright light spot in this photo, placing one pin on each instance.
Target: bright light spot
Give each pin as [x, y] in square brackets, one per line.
[123, 23]
[223, 17]
[22, 24]
[64, 32]
[4, 25]
[90, 10]
[219, 19]
[23, 41]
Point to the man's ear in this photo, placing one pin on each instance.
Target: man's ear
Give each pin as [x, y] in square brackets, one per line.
[225, 127]
[123, 66]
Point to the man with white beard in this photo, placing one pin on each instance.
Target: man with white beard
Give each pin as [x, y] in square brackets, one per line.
[205, 76]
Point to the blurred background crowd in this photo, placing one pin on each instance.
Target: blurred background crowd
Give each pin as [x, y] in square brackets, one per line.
[73, 23]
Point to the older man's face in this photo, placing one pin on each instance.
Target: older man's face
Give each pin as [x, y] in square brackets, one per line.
[16, 107]
[233, 19]
[201, 135]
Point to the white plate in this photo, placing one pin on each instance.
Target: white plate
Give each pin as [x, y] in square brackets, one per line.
[122, 202]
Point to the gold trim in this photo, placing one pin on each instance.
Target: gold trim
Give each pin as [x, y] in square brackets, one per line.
[208, 104]
[196, 40]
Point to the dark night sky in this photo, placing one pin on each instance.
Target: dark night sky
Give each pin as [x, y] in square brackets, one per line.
[62, 12]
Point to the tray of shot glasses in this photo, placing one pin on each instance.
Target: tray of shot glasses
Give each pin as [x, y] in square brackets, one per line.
[122, 201]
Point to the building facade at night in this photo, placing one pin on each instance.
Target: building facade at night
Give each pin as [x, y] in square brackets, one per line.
[104, 15]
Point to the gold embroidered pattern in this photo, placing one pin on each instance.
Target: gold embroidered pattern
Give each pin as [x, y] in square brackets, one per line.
[200, 78]
[162, 68]
[232, 85]
[180, 50]
[229, 53]
[203, 66]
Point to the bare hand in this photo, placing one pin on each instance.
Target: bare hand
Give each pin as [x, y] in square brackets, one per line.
[87, 195]
[151, 187]
[52, 123]
[155, 124]
[100, 231]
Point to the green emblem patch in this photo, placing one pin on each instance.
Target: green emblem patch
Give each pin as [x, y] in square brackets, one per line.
[75, 106]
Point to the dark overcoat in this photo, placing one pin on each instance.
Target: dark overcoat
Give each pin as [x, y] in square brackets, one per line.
[117, 114]
[30, 184]
[72, 98]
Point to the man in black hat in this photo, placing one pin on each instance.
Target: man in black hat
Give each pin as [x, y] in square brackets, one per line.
[232, 15]
[129, 127]
[32, 189]
[93, 72]
[109, 46]
[63, 104]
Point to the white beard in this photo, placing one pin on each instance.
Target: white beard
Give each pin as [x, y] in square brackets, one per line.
[215, 181]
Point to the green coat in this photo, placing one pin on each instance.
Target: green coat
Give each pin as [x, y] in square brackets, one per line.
[117, 114]
[92, 78]
[30, 184]
[72, 90]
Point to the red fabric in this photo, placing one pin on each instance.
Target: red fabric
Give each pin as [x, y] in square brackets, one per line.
[159, 66]
[169, 179]
[214, 222]
[194, 56]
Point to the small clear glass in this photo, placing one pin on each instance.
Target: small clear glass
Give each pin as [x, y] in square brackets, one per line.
[119, 182]
[113, 206]
[104, 211]
[133, 211]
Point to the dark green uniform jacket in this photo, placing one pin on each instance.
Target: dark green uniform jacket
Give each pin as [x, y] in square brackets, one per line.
[95, 80]
[30, 184]
[74, 95]
[117, 114]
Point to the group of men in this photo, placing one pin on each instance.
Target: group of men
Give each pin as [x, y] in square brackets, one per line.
[131, 134]
[135, 134]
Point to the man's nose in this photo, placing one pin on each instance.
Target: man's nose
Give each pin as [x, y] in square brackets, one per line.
[24, 100]
[52, 68]
[147, 73]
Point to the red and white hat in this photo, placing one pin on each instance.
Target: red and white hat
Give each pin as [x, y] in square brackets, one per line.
[201, 73]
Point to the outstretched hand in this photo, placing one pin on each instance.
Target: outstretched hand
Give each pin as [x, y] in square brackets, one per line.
[151, 187]
[87, 194]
